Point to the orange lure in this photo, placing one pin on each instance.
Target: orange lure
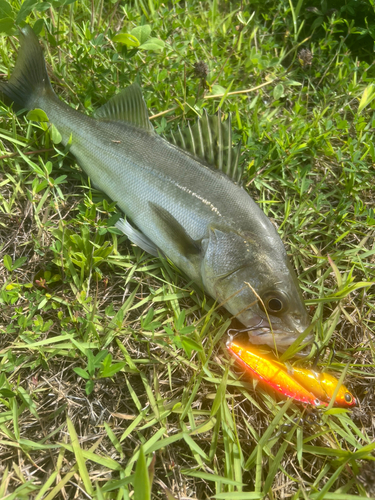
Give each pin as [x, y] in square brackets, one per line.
[273, 375]
[323, 385]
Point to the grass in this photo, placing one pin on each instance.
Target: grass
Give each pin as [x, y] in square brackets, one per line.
[114, 377]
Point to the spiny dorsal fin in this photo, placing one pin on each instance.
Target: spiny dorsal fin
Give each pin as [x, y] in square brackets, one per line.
[210, 139]
[127, 106]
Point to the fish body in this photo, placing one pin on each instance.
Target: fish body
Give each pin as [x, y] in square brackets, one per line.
[272, 374]
[183, 202]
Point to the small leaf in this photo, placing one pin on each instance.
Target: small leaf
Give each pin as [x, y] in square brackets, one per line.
[109, 371]
[41, 186]
[190, 344]
[367, 96]
[7, 393]
[205, 427]
[7, 260]
[142, 490]
[220, 394]
[217, 90]
[90, 357]
[82, 373]
[89, 387]
[278, 91]
[60, 179]
[141, 33]
[19, 262]
[6, 25]
[106, 363]
[55, 135]
[153, 44]
[126, 39]
[99, 357]
[25, 10]
[5, 9]
[294, 83]
[37, 115]
[48, 166]
[38, 26]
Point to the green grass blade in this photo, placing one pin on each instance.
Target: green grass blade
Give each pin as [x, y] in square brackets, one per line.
[141, 483]
[78, 452]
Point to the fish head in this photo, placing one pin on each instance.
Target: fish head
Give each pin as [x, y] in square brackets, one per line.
[255, 281]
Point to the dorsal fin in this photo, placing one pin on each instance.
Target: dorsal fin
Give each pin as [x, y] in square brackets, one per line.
[127, 106]
[210, 139]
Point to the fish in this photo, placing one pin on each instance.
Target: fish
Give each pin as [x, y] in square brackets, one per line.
[183, 197]
[272, 374]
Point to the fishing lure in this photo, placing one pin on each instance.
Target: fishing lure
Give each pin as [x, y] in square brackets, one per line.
[302, 384]
[323, 385]
[273, 375]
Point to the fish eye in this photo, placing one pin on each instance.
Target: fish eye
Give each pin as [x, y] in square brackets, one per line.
[274, 302]
[348, 397]
[275, 305]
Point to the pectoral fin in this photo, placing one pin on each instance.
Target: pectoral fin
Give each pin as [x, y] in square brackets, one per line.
[175, 231]
[137, 237]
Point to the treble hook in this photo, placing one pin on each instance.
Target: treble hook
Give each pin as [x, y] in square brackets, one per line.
[310, 418]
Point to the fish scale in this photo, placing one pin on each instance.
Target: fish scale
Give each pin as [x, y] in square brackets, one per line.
[186, 204]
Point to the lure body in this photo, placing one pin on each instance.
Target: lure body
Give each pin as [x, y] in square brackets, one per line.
[273, 375]
[323, 386]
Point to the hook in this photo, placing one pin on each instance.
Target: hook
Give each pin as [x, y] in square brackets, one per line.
[320, 350]
[248, 329]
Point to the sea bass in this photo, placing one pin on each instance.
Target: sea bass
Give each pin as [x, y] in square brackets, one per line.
[183, 199]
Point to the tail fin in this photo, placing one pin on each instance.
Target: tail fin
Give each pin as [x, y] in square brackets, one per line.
[29, 80]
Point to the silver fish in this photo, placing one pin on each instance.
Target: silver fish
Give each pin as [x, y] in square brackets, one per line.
[183, 198]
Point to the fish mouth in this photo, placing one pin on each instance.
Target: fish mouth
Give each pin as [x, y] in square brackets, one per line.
[262, 334]
[271, 337]
[281, 338]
